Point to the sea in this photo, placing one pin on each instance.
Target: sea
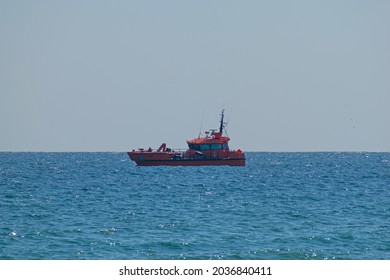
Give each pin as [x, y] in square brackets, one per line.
[280, 206]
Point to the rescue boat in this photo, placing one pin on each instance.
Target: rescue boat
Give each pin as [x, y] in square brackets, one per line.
[213, 149]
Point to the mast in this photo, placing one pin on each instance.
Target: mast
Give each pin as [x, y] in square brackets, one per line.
[221, 123]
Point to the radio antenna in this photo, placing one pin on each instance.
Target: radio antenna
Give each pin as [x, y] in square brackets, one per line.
[201, 124]
[222, 124]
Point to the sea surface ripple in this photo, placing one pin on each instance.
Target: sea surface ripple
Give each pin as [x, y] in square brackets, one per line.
[280, 206]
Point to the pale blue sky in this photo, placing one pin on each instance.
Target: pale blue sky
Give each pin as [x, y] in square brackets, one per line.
[116, 75]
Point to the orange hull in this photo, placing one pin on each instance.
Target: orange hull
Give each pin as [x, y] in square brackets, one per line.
[159, 159]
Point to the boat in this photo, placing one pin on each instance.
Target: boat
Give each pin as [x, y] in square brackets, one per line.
[213, 149]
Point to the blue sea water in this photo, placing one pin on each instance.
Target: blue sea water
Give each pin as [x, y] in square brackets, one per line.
[280, 206]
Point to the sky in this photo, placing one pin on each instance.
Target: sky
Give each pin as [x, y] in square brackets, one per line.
[120, 75]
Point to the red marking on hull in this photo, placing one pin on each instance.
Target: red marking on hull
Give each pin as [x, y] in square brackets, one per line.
[192, 162]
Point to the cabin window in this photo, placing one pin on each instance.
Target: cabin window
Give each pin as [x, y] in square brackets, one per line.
[204, 147]
[216, 146]
[194, 146]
